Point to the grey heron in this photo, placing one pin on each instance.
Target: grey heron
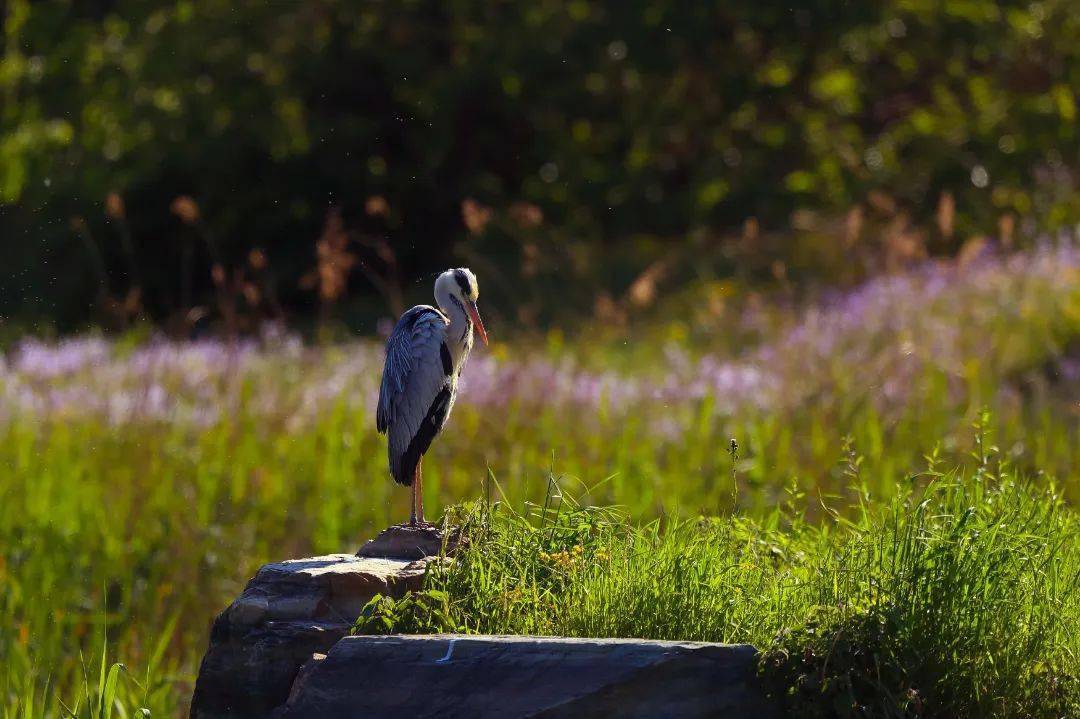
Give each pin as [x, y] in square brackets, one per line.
[424, 357]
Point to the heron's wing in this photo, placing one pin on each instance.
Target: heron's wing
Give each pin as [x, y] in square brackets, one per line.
[416, 382]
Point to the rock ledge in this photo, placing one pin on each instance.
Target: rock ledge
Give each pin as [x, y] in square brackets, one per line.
[404, 541]
[289, 611]
[281, 650]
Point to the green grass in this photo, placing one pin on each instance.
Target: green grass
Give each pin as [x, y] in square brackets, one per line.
[108, 531]
[959, 597]
[105, 530]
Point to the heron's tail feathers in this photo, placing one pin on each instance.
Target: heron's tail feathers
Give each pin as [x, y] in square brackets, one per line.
[402, 471]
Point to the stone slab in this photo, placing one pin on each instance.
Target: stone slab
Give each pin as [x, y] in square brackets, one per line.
[496, 676]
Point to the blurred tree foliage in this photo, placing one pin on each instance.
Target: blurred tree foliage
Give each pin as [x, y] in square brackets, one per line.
[255, 157]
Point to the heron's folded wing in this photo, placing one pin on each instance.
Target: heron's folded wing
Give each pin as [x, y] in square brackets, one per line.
[413, 373]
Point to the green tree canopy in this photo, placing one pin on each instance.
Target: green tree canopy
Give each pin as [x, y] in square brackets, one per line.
[567, 129]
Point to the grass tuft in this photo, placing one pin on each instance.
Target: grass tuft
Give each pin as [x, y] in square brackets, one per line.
[955, 598]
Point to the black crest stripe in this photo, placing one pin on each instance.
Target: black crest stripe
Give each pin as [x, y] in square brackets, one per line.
[463, 282]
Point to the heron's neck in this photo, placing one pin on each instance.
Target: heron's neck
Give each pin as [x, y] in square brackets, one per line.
[459, 334]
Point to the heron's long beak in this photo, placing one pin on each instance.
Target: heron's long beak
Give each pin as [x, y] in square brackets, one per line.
[477, 322]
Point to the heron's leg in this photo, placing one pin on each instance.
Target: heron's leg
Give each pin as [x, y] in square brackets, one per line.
[418, 487]
[412, 514]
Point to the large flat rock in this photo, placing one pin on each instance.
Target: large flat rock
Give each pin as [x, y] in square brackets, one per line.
[281, 650]
[488, 676]
[287, 612]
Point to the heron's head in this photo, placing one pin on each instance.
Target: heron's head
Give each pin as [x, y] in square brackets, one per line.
[459, 286]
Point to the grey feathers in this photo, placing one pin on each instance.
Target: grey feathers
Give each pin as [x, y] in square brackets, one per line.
[418, 387]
